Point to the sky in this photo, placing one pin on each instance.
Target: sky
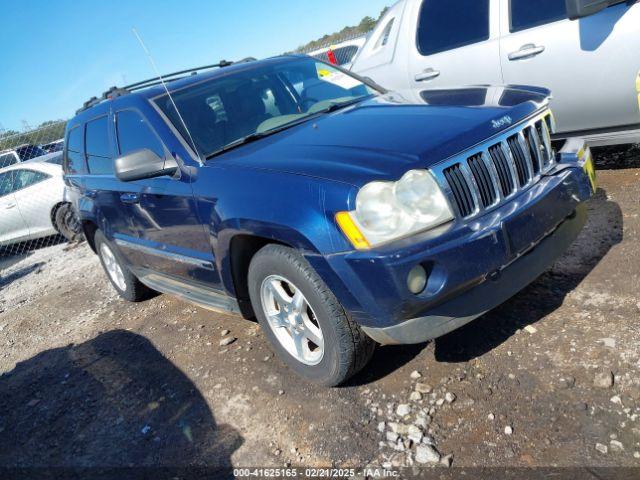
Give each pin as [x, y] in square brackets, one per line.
[54, 55]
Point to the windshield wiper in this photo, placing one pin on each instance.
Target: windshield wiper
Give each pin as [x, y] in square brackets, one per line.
[340, 105]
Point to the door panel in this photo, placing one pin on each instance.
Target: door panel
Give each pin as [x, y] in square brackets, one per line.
[455, 44]
[168, 233]
[12, 226]
[36, 202]
[171, 233]
[590, 65]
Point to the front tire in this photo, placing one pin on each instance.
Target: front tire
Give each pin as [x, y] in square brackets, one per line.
[126, 283]
[303, 320]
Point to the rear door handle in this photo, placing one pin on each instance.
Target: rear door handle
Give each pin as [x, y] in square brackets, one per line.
[526, 51]
[90, 193]
[428, 74]
[130, 198]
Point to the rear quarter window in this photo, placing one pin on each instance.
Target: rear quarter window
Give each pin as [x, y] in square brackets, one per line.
[74, 157]
[452, 24]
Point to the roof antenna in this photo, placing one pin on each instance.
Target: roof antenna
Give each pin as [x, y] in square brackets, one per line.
[155, 68]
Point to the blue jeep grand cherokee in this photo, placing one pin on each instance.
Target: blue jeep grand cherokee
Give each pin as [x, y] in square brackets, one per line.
[338, 214]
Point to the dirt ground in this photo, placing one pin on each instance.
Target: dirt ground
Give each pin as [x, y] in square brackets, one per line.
[551, 378]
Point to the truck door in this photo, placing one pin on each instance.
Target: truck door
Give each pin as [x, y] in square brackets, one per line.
[456, 43]
[590, 65]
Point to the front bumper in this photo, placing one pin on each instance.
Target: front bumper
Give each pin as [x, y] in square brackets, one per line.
[472, 267]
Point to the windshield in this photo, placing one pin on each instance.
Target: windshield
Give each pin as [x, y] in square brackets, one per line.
[227, 111]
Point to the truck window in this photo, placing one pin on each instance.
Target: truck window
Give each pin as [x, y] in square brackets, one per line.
[7, 159]
[97, 147]
[74, 161]
[135, 134]
[526, 14]
[27, 152]
[452, 24]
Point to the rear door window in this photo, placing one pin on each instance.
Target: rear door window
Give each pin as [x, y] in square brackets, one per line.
[74, 162]
[526, 14]
[452, 24]
[98, 148]
[134, 133]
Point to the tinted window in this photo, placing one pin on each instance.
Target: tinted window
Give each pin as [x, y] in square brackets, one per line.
[527, 14]
[75, 152]
[134, 133]
[445, 25]
[6, 183]
[97, 147]
[27, 178]
[7, 159]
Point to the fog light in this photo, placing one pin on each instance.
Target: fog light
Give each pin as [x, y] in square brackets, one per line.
[417, 279]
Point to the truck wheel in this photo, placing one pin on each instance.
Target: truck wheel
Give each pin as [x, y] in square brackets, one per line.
[303, 320]
[66, 222]
[125, 283]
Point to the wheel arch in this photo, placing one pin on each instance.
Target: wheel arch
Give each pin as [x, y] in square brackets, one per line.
[242, 249]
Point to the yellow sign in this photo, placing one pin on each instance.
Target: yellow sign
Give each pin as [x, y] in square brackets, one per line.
[590, 169]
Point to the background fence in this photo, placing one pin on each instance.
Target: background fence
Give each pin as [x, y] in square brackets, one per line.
[34, 210]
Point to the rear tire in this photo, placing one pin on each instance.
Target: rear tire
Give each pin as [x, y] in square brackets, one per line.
[334, 347]
[126, 283]
[66, 222]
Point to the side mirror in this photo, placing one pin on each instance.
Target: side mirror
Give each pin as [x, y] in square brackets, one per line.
[583, 8]
[143, 164]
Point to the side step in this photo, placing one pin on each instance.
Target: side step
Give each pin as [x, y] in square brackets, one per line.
[203, 297]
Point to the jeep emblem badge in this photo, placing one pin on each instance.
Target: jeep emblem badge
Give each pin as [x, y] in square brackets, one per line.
[502, 122]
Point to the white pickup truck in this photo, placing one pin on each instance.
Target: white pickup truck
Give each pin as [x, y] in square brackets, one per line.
[587, 52]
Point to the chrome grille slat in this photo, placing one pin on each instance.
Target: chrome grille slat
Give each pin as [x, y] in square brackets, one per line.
[537, 147]
[487, 176]
[524, 145]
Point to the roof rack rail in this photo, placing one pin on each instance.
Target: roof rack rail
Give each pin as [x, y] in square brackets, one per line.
[115, 92]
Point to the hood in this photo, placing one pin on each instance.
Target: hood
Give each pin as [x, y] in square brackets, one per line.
[384, 137]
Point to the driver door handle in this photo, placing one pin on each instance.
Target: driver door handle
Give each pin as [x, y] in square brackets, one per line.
[428, 74]
[9, 206]
[130, 198]
[526, 51]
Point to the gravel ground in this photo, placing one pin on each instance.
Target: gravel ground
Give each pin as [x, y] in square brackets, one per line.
[551, 378]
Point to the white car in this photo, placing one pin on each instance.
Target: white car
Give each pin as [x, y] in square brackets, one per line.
[340, 54]
[591, 64]
[32, 203]
[25, 153]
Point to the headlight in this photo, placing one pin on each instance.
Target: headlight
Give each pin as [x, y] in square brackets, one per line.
[387, 211]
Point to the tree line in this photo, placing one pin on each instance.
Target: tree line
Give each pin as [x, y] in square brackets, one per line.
[365, 26]
[46, 132]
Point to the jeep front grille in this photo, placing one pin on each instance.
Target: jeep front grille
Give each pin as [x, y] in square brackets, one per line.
[492, 173]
